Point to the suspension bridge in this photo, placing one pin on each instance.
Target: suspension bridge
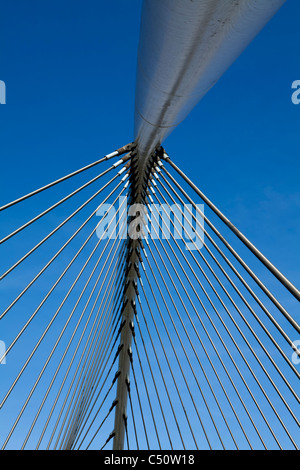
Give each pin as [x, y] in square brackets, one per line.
[138, 315]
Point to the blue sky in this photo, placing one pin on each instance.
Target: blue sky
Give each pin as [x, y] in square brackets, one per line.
[69, 69]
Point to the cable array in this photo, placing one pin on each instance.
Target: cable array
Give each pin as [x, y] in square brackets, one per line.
[182, 337]
[56, 354]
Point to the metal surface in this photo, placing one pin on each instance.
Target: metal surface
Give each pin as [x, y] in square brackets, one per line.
[124, 358]
[185, 46]
[131, 273]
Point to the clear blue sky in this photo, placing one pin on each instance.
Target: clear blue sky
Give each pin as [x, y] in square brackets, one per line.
[69, 69]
